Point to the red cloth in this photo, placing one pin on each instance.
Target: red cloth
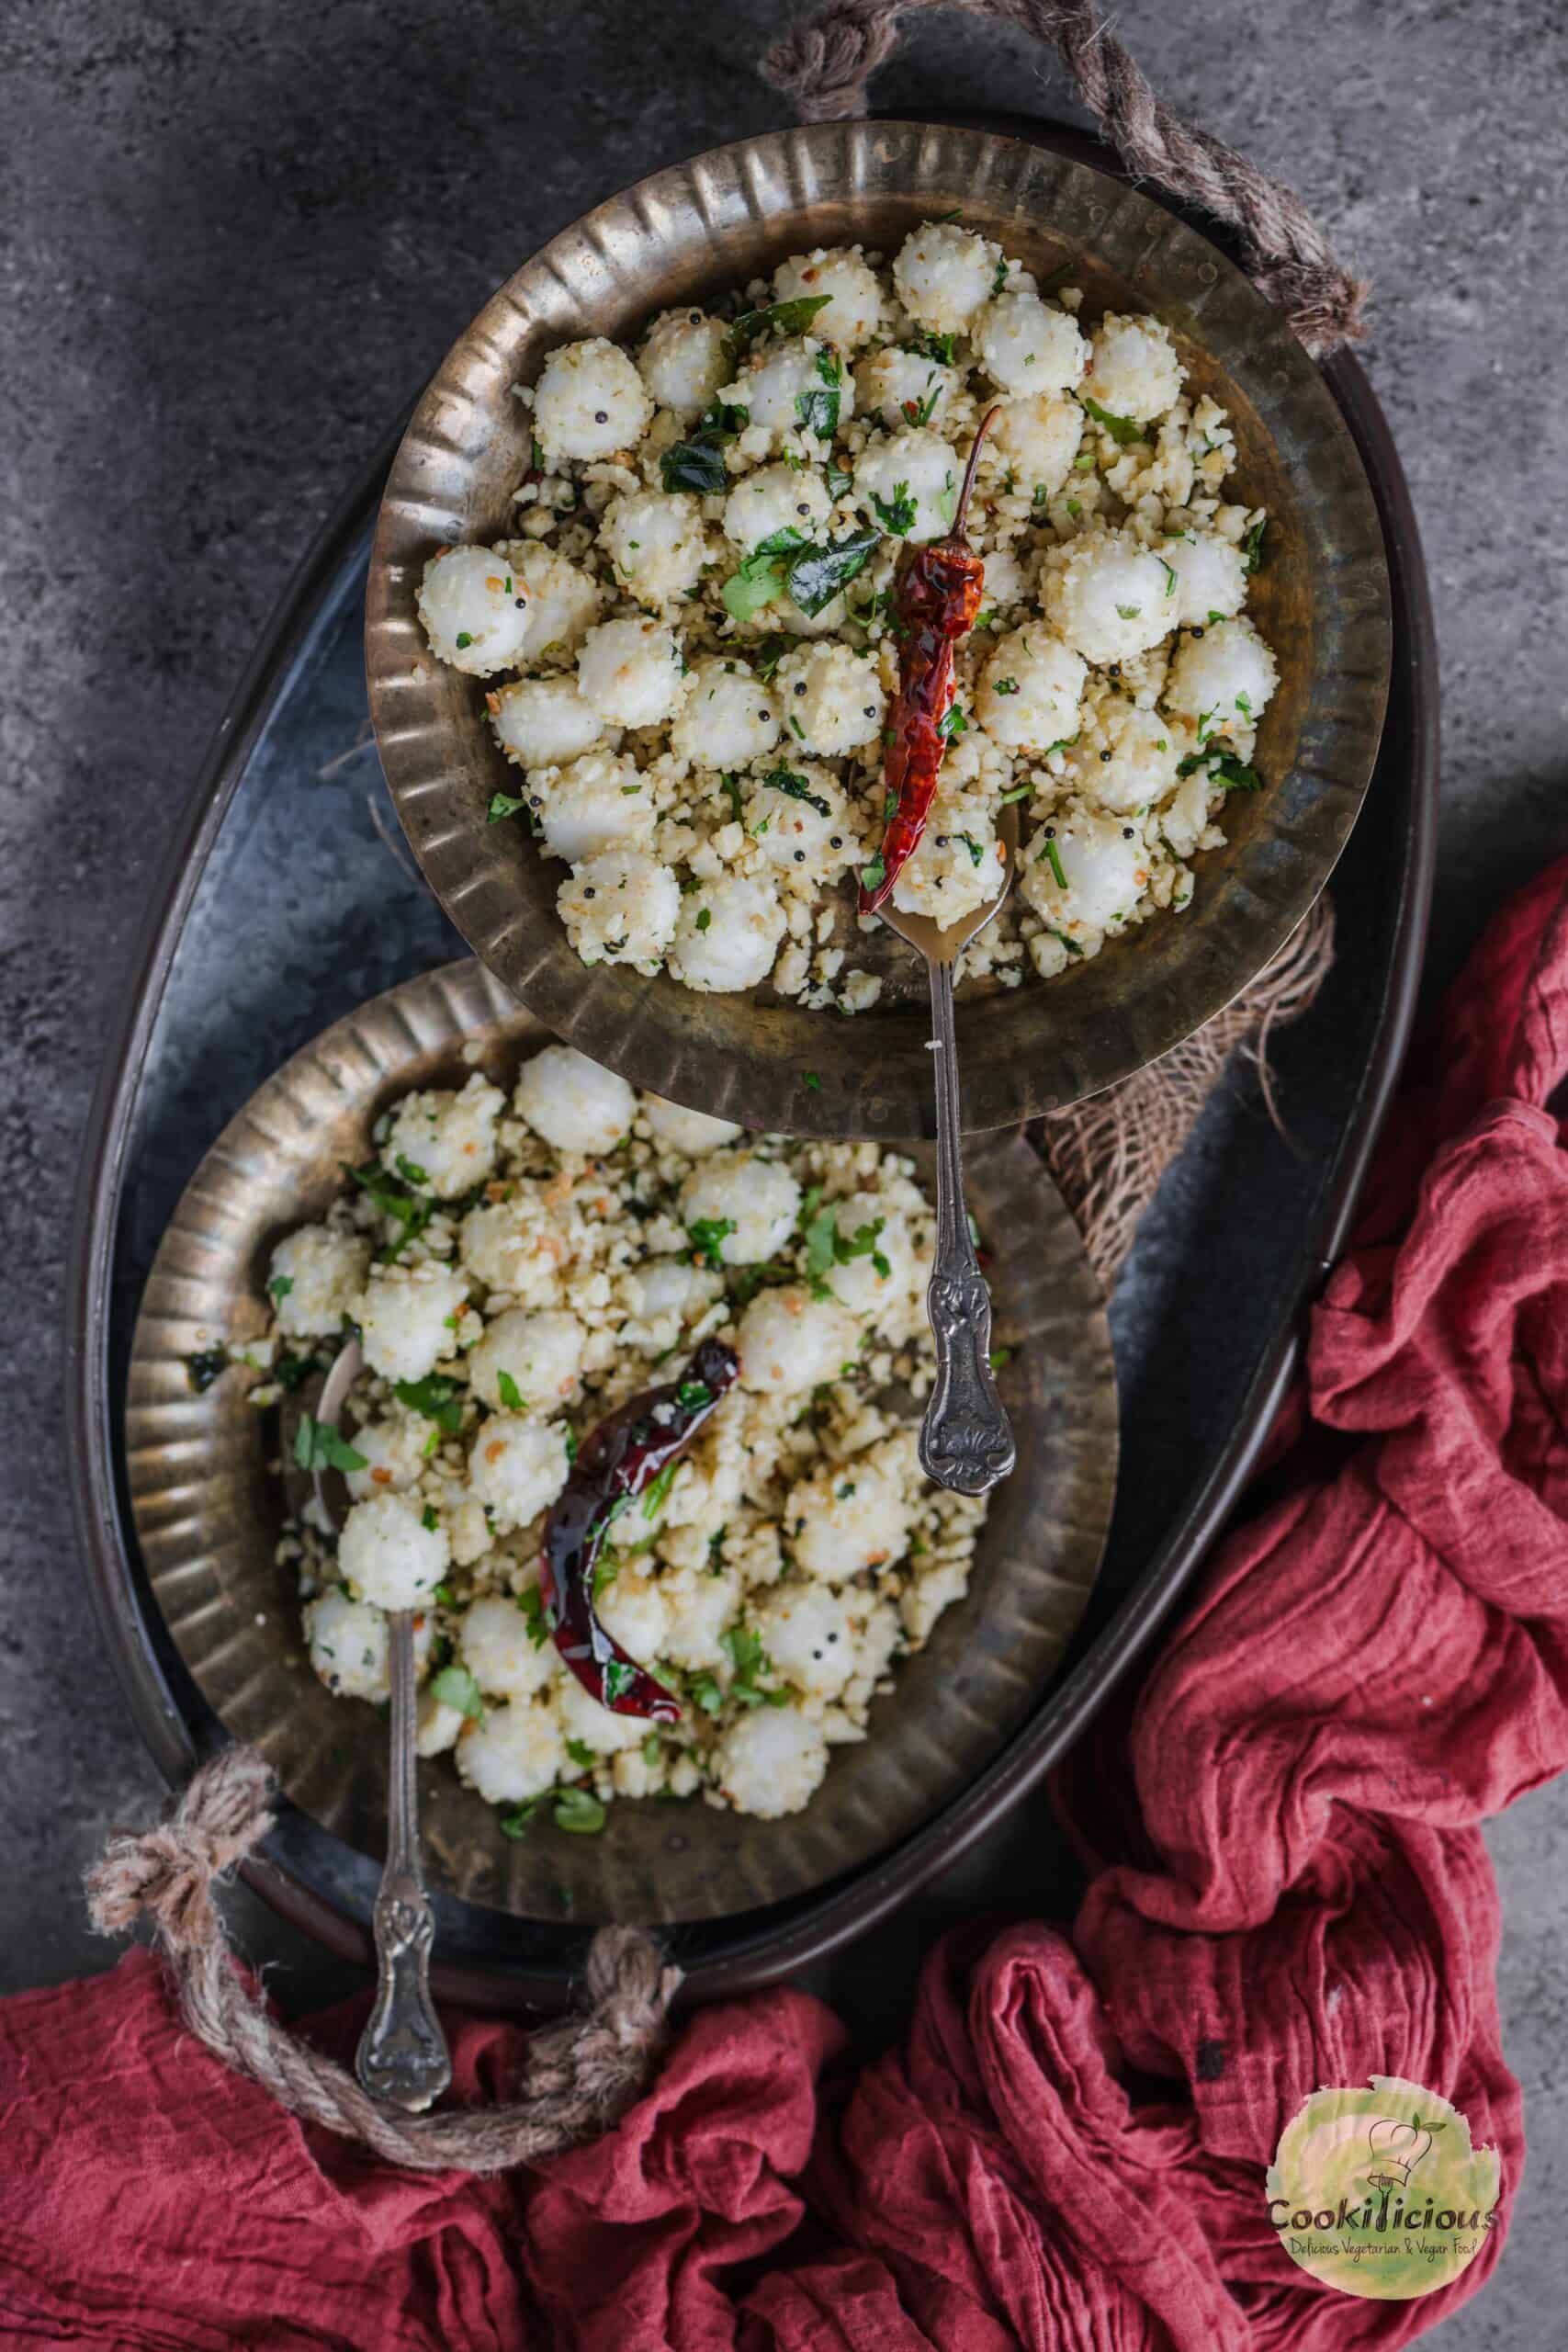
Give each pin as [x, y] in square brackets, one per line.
[1067, 2152]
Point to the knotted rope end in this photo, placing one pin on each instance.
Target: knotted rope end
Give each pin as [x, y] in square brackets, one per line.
[167, 1871]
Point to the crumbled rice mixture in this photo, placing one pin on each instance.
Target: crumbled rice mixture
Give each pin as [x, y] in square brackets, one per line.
[689, 655]
[517, 1268]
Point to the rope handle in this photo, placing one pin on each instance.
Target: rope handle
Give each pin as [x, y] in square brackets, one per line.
[826, 63]
[581, 2073]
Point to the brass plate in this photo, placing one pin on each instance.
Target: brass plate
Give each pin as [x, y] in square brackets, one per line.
[1323, 601]
[208, 1512]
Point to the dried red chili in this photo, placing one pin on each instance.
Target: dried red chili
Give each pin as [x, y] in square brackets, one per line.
[618, 1462]
[935, 602]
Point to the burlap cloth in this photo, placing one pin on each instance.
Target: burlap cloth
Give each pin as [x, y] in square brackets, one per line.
[1107, 1155]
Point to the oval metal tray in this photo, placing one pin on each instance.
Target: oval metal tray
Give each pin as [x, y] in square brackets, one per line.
[230, 979]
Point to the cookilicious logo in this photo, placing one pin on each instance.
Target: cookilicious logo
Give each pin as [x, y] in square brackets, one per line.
[1378, 2192]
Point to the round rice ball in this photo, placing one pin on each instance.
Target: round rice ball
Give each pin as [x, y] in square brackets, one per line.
[1210, 577]
[1225, 677]
[846, 1517]
[1031, 691]
[1110, 598]
[943, 275]
[957, 865]
[771, 1762]
[671, 1286]
[882, 1277]
[898, 387]
[347, 1641]
[702, 1606]
[656, 541]
[389, 1555]
[779, 376]
[686, 1131]
[473, 611]
[448, 1137]
[683, 361]
[514, 1245]
[597, 803]
[634, 1611]
[562, 600]
[832, 702]
[407, 1317]
[540, 1355]
[590, 402]
[855, 313]
[574, 1103]
[393, 1450]
[1134, 371]
[437, 1724]
[621, 907]
[789, 1341]
[729, 717]
[544, 722]
[517, 1468]
[1027, 347]
[1035, 441]
[757, 1199]
[1145, 753]
[495, 1645]
[629, 670]
[807, 1633]
[727, 935]
[313, 1279]
[516, 1753]
[809, 830]
[915, 465]
[773, 500]
[582, 1719]
[1105, 872]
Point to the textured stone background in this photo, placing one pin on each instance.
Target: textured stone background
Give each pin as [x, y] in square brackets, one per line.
[233, 240]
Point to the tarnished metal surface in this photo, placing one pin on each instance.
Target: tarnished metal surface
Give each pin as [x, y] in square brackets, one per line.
[1322, 601]
[208, 1512]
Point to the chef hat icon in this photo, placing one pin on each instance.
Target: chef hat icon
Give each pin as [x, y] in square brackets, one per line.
[1399, 2148]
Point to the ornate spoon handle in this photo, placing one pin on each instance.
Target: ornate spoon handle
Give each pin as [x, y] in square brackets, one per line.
[965, 1438]
[402, 2054]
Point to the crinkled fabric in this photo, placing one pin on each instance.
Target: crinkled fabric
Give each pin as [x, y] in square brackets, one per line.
[1287, 1887]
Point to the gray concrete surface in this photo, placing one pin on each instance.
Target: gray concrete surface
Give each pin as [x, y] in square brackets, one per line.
[233, 239]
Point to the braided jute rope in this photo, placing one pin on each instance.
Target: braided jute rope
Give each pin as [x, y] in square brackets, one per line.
[826, 63]
[582, 2073]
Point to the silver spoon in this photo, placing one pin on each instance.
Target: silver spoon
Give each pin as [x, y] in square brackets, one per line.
[965, 1438]
[402, 2056]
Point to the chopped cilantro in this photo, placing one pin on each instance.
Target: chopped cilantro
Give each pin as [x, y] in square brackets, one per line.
[874, 875]
[455, 1687]
[1000, 277]
[535, 1615]
[975, 852]
[1252, 545]
[580, 1754]
[1169, 573]
[656, 1492]
[787, 318]
[317, 1446]
[280, 1285]
[951, 723]
[436, 1397]
[794, 787]
[1053, 858]
[705, 1237]
[897, 515]
[511, 1396]
[838, 480]
[1122, 429]
[1129, 612]
[505, 804]
[463, 639]
[1225, 769]
[812, 1081]
[580, 1811]
[1004, 685]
